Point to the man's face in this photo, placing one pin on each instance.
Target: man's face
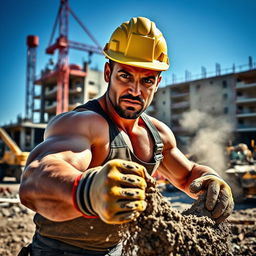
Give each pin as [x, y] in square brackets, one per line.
[130, 89]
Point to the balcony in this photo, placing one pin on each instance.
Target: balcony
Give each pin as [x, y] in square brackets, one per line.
[180, 105]
[246, 128]
[51, 108]
[245, 100]
[242, 85]
[246, 114]
[175, 95]
[49, 94]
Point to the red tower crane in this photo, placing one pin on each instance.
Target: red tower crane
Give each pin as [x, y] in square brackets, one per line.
[62, 44]
[32, 43]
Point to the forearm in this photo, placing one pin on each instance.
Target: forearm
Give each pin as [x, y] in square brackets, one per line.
[46, 188]
[196, 172]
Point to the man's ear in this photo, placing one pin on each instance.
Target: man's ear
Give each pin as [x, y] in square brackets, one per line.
[158, 82]
[107, 72]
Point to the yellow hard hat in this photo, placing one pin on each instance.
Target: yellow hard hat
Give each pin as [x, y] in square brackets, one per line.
[138, 43]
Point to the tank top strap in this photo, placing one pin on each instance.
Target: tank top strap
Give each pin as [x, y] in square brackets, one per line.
[116, 139]
[158, 156]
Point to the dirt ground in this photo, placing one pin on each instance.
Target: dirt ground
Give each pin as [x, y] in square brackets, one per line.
[17, 228]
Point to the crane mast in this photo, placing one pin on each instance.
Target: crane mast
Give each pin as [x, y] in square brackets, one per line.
[62, 44]
[32, 43]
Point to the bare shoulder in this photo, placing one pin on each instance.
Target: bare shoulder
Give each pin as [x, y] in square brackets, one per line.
[77, 123]
[74, 132]
[165, 132]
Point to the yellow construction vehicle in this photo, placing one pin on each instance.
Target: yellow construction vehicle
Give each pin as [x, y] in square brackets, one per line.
[12, 159]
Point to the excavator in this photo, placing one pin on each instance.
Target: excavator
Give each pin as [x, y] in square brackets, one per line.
[12, 159]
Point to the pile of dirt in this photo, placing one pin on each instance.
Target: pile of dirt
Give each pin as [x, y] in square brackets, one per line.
[162, 230]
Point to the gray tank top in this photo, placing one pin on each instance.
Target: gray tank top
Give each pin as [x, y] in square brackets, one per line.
[94, 234]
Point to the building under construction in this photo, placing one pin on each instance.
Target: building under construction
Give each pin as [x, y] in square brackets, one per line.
[231, 95]
[84, 84]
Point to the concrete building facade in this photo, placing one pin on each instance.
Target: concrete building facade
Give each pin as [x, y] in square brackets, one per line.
[231, 96]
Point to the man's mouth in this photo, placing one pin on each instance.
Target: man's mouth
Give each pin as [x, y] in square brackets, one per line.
[131, 102]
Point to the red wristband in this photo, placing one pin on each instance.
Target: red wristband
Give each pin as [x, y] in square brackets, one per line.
[74, 189]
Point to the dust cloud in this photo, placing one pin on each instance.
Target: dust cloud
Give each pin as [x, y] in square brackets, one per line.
[211, 129]
[211, 134]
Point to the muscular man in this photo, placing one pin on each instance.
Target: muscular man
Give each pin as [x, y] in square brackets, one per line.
[89, 175]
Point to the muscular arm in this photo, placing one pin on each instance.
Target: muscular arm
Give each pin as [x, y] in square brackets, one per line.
[180, 171]
[51, 169]
[176, 167]
[192, 178]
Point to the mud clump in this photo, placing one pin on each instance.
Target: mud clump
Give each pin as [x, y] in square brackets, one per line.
[163, 231]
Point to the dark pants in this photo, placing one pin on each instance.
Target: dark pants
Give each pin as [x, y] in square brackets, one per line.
[43, 246]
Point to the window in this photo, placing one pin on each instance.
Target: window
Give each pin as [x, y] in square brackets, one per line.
[224, 84]
[225, 110]
[164, 102]
[163, 92]
[198, 86]
[225, 96]
[91, 82]
[239, 109]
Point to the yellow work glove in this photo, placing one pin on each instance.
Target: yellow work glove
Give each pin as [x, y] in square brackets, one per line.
[115, 192]
[219, 200]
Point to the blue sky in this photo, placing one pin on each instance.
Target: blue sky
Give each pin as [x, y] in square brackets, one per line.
[198, 33]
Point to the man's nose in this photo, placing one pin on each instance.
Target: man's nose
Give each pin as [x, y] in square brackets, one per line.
[134, 88]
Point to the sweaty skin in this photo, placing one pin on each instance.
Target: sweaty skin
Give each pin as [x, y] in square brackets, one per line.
[76, 141]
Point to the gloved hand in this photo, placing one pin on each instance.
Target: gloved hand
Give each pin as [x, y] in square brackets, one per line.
[115, 192]
[219, 200]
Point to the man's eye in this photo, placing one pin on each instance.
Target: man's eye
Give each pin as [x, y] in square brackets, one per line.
[148, 81]
[124, 76]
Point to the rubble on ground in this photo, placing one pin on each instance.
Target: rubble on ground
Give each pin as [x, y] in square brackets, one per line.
[17, 228]
[16, 225]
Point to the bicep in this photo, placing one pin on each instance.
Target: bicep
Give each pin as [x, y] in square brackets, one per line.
[75, 150]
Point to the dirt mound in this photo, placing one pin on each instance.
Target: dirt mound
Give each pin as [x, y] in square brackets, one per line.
[162, 230]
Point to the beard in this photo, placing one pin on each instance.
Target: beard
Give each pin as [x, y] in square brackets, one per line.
[128, 112]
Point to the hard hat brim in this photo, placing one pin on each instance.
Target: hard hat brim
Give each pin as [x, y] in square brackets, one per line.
[120, 58]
